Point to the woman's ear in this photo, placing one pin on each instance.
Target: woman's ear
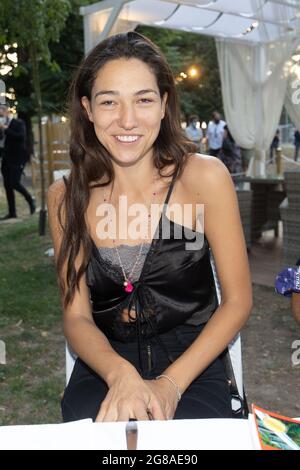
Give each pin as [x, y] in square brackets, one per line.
[86, 104]
[163, 104]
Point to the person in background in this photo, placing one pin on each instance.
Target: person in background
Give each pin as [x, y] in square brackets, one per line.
[214, 134]
[274, 145]
[4, 121]
[287, 283]
[14, 159]
[193, 132]
[230, 153]
[297, 144]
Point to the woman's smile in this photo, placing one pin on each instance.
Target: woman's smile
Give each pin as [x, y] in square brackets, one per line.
[128, 139]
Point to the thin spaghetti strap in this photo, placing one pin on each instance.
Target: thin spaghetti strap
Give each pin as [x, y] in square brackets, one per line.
[170, 190]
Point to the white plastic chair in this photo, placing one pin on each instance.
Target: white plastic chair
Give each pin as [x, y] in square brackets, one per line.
[58, 174]
[235, 346]
[70, 361]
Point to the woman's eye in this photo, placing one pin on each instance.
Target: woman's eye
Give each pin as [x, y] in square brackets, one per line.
[109, 102]
[105, 102]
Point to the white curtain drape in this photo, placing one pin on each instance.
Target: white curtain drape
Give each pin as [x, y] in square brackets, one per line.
[254, 84]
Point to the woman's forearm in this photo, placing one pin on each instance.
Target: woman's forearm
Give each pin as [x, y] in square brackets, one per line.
[222, 327]
[92, 346]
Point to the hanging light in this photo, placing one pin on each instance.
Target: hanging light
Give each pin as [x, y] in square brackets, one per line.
[205, 3]
[254, 25]
[193, 72]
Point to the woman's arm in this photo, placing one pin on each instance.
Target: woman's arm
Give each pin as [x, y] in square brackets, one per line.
[224, 232]
[85, 338]
[295, 305]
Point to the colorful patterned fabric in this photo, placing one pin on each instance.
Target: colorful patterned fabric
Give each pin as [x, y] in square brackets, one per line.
[288, 281]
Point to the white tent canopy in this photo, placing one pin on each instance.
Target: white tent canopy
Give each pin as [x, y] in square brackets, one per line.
[255, 39]
[220, 18]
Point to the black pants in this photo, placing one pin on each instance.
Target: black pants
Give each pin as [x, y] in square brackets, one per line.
[11, 180]
[207, 397]
[297, 148]
[272, 150]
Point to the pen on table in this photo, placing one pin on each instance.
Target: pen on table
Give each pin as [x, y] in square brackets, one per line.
[131, 434]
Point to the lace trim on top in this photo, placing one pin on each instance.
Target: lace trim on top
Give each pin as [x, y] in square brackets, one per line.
[128, 255]
[126, 331]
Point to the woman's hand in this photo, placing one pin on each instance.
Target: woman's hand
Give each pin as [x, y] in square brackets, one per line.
[129, 396]
[166, 394]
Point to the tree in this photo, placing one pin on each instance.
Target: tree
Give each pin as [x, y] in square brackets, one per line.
[33, 24]
[54, 78]
[201, 95]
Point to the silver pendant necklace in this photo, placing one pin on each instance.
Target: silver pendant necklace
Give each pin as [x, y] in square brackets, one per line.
[128, 285]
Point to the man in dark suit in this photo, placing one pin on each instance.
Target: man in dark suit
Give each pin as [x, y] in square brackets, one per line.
[15, 156]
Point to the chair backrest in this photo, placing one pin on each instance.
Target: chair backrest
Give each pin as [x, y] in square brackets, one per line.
[58, 174]
[70, 361]
[235, 347]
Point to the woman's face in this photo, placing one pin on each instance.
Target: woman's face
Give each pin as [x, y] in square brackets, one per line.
[125, 101]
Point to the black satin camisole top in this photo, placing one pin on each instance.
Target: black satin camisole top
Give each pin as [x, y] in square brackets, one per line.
[176, 286]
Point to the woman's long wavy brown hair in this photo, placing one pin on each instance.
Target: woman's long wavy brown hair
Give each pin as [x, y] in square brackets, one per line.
[91, 161]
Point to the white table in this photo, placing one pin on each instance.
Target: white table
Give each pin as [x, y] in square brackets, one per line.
[191, 434]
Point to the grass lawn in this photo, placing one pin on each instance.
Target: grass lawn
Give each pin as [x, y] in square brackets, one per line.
[32, 380]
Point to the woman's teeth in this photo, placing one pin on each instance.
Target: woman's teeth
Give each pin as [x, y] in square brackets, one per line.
[127, 138]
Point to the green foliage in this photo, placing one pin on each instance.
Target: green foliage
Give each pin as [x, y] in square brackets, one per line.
[67, 53]
[182, 50]
[43, 21]
[62, 49]
[61, 52]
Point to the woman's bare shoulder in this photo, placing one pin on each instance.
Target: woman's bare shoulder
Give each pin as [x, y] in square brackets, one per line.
[56, 191]
[204, 163]
[204, 173]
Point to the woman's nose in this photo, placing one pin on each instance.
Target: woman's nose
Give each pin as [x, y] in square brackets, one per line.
[127, 118]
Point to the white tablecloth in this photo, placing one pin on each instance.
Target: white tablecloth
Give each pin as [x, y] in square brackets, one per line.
[152, 435]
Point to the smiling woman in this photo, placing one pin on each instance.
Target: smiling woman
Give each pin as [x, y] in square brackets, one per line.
[143, 318]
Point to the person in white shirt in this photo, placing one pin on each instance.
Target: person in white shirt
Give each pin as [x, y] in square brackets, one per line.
[215, 133]
[193, 132]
